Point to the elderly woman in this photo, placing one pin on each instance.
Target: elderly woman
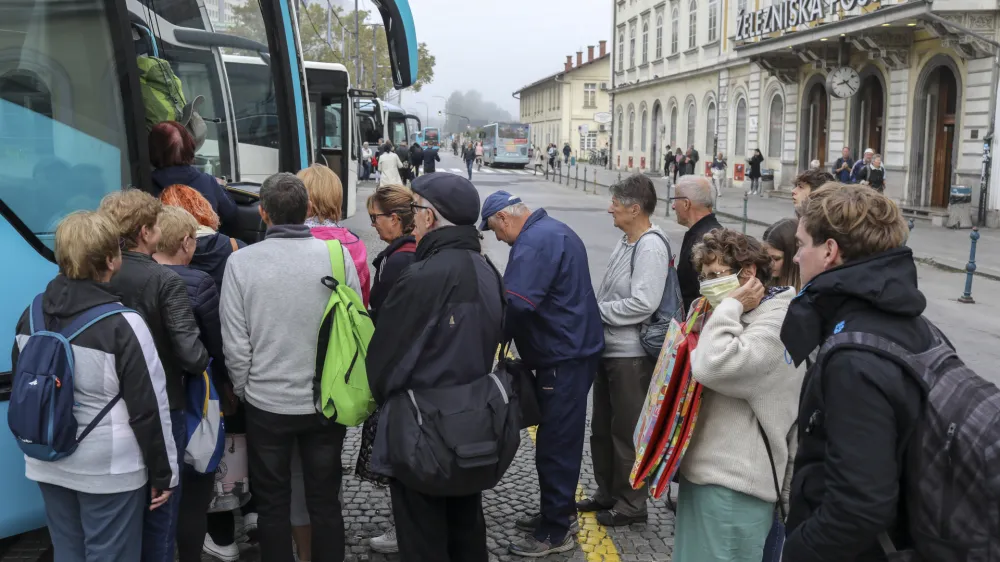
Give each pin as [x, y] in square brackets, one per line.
[730, 476]
[629, 295]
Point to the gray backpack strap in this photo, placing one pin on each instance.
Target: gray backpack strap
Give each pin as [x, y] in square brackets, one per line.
[658, 234]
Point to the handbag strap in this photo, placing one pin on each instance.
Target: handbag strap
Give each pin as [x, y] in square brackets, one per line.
[774, 472]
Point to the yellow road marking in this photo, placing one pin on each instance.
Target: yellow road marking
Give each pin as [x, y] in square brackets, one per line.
[593, 537]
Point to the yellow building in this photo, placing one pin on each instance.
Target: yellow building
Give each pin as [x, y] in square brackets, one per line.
[571, 106]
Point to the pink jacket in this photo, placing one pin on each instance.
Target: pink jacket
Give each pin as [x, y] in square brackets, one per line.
[355, 246]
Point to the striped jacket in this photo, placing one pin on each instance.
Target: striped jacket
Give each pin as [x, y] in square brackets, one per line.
[116, 355]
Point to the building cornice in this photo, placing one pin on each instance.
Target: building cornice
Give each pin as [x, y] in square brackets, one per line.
[681, 76]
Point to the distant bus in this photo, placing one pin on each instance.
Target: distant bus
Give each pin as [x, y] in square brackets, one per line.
[432, 137]
[505, 144]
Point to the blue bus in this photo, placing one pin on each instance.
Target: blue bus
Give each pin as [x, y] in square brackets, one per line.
[505, 144]
[432, 137]
[72, 129]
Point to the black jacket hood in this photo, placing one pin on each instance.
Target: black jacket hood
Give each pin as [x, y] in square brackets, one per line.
[65, 298]
[884, 282]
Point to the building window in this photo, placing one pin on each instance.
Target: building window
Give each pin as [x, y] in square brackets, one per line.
[642, 139]
[675, 29]
[673, 126]
[590, 95]
[621, 127]
[631, 130]
[776, 119]
[588, 141]
[710, 132]
[631, 47]
[692, 115]
[741, 128]
[645, 42]
[713, 20]
[621, 51]
[659, 36]
[692, 24]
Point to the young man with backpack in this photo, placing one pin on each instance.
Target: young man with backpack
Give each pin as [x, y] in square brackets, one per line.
[110, 409]
[159, 295]
[273, 304]
[874, 422]
[553, 318]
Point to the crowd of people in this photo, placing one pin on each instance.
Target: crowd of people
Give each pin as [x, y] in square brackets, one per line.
[786, 450]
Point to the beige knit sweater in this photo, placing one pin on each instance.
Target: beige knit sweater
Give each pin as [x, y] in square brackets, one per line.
[742, 364]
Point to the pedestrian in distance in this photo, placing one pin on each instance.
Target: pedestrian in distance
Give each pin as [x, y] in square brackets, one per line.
[272, 306]
[553, 154]
[178, 242]
[403, 153]
[392, 218]
[96, 498]
[366, 161]
[479, 154]
[806, 182]
[733, 474]
[857, 405]
[678, 164]
[553, 318]
[629, 294]
[469, 155]
[718, 173]
[692, 204]
[416, 159]
[755, 162]
[566, 152]
[160, 297]
[842, 166]
[431, 156]
[873, 175]
[695, 157]
[389, 167]
[860, 165]
[447, 308]
[779, 242]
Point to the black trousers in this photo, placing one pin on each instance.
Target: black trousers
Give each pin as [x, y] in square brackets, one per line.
[192, 521]
[435, 529]
[270, 438]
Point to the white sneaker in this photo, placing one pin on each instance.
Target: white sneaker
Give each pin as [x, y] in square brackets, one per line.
[386, 543]
[230, 553]
[249, 523]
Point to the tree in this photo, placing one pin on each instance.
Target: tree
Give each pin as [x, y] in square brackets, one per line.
[341, 45]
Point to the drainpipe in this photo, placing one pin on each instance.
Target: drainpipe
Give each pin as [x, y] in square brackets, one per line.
[614, 61]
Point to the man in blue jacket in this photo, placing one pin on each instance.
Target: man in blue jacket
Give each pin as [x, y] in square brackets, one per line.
[553, 318]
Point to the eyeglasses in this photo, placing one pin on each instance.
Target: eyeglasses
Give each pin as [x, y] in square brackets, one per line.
[678, 198]
[374, 216]
[414, 207]
[713, 275]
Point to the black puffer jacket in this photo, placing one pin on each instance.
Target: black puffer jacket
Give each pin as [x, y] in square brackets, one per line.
[856, 415]
[389, 265]
[416, 155]
[160, 296]
[204, 297]
[212, 253]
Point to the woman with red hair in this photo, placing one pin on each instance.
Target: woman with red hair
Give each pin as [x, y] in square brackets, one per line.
[171, 152]
[213, 248]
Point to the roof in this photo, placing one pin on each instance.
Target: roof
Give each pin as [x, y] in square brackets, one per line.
[561, 73]
[309, 64]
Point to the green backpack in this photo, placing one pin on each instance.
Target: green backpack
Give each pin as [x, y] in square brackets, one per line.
[343, 395]
[162, 94]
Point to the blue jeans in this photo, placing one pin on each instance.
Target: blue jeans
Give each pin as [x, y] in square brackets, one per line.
[159, 527]
[468, 164]
[94, 527]
[562, 398]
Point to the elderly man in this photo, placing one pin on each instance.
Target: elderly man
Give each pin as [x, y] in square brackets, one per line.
[439, 328]
[693, 207]
[860, 164]
[553, 318]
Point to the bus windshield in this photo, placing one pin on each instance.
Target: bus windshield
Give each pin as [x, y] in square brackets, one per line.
[513, 131]
[431, 136]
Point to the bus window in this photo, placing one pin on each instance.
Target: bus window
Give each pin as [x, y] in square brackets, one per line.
[252, 89]
[62, 126]
[333, 133]
[397, 130]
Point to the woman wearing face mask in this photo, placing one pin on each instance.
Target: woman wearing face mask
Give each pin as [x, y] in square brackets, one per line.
[732, 476]
[779, 242]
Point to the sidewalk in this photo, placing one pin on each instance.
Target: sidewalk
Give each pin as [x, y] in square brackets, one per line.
[941, 247]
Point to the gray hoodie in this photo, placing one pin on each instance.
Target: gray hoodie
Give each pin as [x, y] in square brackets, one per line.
[272, 306]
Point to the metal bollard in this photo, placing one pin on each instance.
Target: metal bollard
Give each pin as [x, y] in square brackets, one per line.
[746, 198]
[560, 175]
[546, 171]
[576, 183]
[970, 268]
[910, 224]
[619, 176]
[585, 180]
[667, 214]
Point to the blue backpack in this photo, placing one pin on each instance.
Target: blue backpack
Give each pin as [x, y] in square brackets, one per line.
[206, 431]
[40, 414]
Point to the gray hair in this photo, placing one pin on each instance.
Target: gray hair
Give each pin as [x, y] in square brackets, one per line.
[697, 189]
[636, 189]
[439, 221]
[515, 210]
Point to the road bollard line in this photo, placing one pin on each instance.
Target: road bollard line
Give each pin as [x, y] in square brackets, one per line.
[746, 199]
[970, 268]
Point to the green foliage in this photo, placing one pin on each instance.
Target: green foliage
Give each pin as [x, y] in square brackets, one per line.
[341, 47]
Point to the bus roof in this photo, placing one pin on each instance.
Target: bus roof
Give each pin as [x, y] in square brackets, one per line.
[332, 66]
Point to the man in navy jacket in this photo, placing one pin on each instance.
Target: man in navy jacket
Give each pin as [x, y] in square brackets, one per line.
[553, 318]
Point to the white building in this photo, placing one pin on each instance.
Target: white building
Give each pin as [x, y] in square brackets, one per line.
[220, 12]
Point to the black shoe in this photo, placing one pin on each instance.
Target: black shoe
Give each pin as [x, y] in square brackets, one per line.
[611, 518]
[590, 505]
[529, 523]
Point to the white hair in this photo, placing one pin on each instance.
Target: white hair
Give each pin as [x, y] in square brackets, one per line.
[439, 221]
[515, 210]
[697, 189]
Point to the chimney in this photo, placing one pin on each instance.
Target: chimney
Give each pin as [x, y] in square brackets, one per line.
[579, 58]
[569, 63]
[604, 48]
[590, 53]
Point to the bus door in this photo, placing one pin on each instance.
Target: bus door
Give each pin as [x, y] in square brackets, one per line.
[334, 125]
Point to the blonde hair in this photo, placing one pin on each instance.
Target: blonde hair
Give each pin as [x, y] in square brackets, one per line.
[85, 240]
[326, 193]
[175, 225]
[861, 220]
[130, 210]
[394, 199]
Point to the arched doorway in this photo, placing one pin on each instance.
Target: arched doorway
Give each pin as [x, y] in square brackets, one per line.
[655, 145]
[814, 123]
[936, 122]
[868, 117]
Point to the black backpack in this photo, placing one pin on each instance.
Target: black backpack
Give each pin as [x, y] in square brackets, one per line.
[671, 303]
[952, 456]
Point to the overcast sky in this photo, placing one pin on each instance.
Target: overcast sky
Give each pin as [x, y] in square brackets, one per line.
[498, 46]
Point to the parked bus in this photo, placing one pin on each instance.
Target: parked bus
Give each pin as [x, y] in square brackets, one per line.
[432, 137]
[73, 128]
[380, 119]
[505, 144]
